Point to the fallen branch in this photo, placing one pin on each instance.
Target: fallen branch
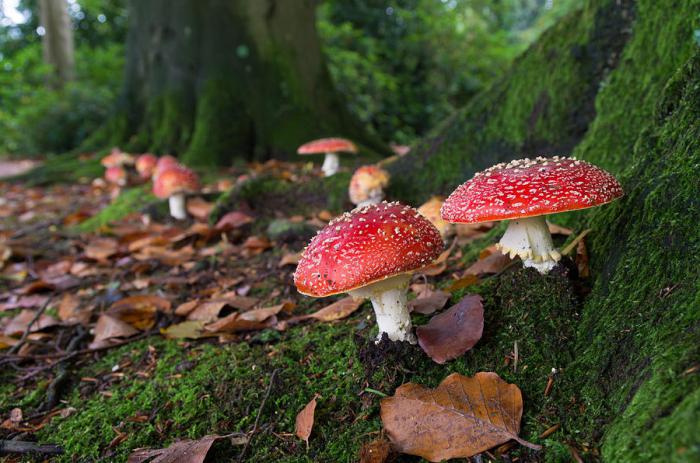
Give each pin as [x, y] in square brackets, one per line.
[257, 418]
[53, 392]
[15, 446]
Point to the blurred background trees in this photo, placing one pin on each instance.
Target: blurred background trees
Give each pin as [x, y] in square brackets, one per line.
[401, 66]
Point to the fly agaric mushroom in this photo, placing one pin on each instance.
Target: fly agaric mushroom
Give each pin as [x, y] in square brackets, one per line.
[116, 158]
[329, 146]
[116, 175]
[431, 211]
[367, 185]
[371, 252]
[173, 183]
[145, 165]
[164, 162]
[525, 191]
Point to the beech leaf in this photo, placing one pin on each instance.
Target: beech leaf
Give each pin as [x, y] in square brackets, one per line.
[305, 421]
[428, 301]
[184, 451]
[463, 416]
[453, 332]
[336, 311]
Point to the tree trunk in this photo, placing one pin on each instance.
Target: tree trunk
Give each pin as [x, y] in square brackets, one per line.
[57, 42]
[211, 80]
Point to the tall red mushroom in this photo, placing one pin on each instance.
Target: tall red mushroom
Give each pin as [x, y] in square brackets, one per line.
[525, 191]
[172, 183]
[371, 252]
[329, 146]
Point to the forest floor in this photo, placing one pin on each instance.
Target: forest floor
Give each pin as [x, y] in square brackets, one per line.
[123, 329]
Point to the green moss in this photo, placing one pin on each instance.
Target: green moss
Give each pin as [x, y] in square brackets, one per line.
[129, 201]
[67, 168]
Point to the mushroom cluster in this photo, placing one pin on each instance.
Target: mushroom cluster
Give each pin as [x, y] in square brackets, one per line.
[525, 191]
[371, 252]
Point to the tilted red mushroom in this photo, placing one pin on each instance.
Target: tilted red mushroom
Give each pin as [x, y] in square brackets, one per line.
[172, 183]
[145, 165]
[371, 252]
[525, 191]
[329, 146]
[367, 185]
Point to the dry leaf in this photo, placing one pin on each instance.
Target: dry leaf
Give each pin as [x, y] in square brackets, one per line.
[21, 321]
[233, 220]
[139, 311]
[581, 259]
[377, 451]
[305, 421]
[191, 329]
[199, 208]
[428, 301]
[555, 229]
[463, 282]
[184, 451]
[108, 328]
[493, 263]
[289, 259]
[101, 248]
[460, 418]
[6, 341]
[453, 332]
[336, 311]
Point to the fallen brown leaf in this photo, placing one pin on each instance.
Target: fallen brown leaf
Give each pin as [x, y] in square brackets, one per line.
[464, 282]
[289, 259]
[191, 329]
[101, 248]
[184, 451]
[139, 311]
[6, 341]
[377, 451]
[21, 321]
[493, 263]
[453, 332]
[460, 418]
[305, 421]
[336, 311]
[555, 229]
[199, 208]
[428, 301]
[108, 328]
[233, 220]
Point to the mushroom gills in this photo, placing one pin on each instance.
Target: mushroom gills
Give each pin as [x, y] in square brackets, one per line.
[529, 239]
[331, 164]
[389, 299]
[177, 206]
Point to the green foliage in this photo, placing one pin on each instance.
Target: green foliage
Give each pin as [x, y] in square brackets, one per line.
[128, 202]
[35, 119]
[405, 67]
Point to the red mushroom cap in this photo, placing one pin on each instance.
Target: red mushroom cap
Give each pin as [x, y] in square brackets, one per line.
[146, 164]
[164, 162]
[365, 246]
[116, 175]
[528, 188]
[327, 145]
[173, 180]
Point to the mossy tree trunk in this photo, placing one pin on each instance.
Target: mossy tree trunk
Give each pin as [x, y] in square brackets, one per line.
[212, 80]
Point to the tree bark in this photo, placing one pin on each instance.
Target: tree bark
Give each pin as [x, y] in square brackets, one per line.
[210, 80]
[57, 43]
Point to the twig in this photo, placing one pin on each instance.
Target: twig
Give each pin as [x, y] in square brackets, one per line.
[23, 339]
[15, 446]
[257, 418]
[53, 392]
[69, 355]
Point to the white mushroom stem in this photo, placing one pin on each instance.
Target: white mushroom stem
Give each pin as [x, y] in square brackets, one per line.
[529, 238]
[375, 196]
[331, 164]
[177, 206]
[389, 299]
